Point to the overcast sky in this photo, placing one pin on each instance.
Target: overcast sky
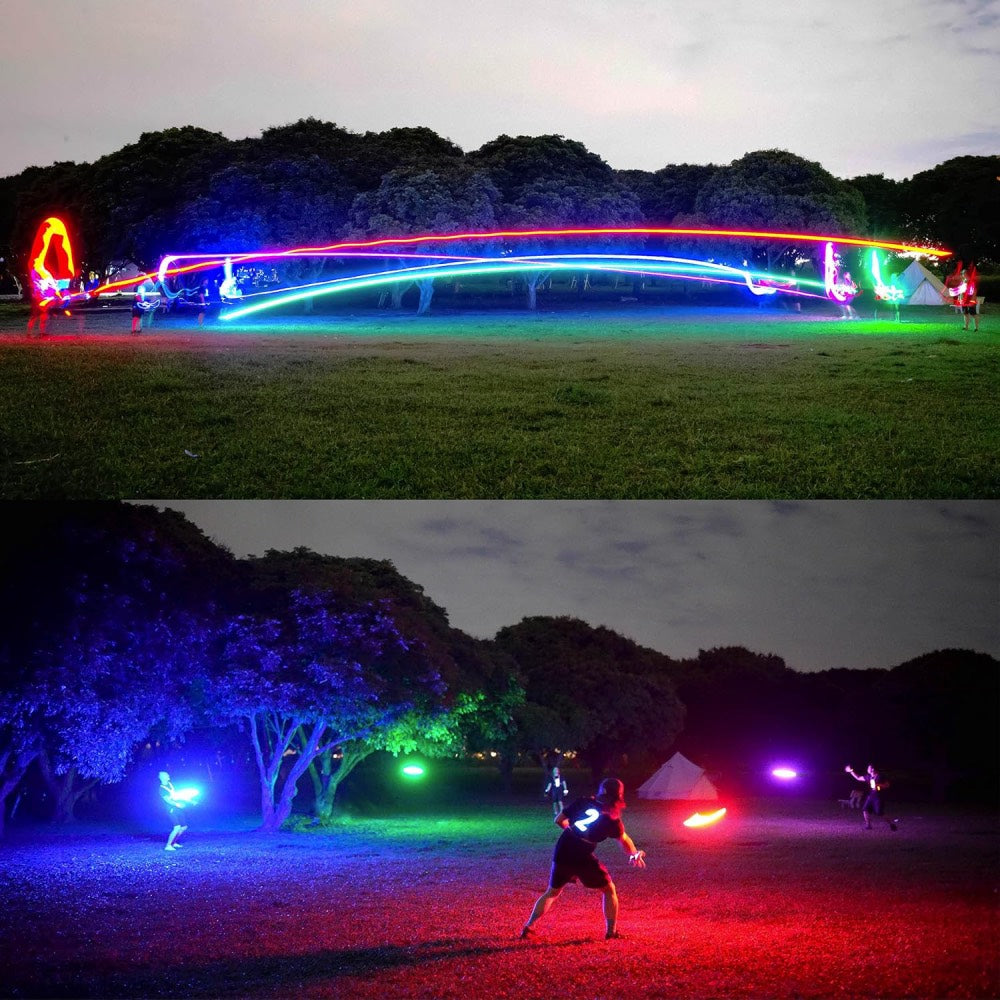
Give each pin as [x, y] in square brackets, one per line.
[822, 584]
[891, 87]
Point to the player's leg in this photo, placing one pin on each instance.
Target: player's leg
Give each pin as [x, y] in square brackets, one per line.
[609, 906]
[542, 906]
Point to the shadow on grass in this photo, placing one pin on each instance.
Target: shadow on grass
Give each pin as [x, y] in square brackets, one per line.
[243, 976]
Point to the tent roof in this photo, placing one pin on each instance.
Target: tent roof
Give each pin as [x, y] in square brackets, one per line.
[678, 778]
[921, 288]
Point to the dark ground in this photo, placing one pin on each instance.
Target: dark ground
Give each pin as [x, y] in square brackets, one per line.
[784, 899]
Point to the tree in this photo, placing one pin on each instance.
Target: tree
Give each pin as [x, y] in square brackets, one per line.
[413, 201]
[110, 617]
[312, 676]
[278, 203]
[408, 148]
[136, 195]
[551, 182]
[774, 189]
[592, 690]
[938, 718]
[479, 692]
[669, 192]
[883, 204]
[957, 204]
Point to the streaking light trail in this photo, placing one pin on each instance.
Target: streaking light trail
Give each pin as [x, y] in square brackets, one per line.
[784, 773]
[704, 819]
[427, 266]
[51, 246]
[203, 261]
[759, 283]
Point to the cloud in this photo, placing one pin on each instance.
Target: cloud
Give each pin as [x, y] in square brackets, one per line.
[822, 584]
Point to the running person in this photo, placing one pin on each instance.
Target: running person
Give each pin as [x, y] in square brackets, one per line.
[585, 823]
[556, 791]
[175, 809]
[873, 802]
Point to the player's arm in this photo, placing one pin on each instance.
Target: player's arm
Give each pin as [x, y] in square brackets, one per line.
[636, 858]
[562, 820]
[850, 771]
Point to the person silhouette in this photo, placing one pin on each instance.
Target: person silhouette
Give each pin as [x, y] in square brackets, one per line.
[585, 823]
[175, 810]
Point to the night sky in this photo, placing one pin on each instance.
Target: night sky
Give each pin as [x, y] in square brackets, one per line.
[893, 87]
[822, 584]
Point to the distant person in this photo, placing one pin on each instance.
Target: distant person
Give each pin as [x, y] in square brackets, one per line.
[38, 319]
[175, 810]
[847, 310]
[873, 805]
[556, 791]
[144, 304]
[585, 823]
[966, 298]
[201, 297]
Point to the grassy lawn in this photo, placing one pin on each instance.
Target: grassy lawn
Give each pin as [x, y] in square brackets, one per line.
[652, 403]
[787, 900]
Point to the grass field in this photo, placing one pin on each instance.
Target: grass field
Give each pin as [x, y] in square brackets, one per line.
[787, 900]
[650, 403]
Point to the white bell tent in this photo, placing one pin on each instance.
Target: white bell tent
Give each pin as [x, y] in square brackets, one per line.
[678, 778]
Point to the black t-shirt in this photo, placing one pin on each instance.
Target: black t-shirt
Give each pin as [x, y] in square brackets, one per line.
[589, 824]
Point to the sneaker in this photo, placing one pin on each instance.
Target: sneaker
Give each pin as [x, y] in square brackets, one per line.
[170, 847]
[526, 934]
[894, 825]
[868, 826]
[614, 936]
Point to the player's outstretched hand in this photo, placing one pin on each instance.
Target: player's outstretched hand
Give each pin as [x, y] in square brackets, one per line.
[637, 860]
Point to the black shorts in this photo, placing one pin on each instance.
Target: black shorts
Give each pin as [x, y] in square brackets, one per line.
[587, 869]
[177, 817]
[969, 310]
[873, 804]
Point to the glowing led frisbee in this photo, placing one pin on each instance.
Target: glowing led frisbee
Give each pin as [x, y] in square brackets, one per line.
[705, 819]
[785, 773]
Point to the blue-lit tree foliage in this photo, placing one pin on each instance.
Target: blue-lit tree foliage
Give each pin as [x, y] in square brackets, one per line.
[108, 627]
[313, 678]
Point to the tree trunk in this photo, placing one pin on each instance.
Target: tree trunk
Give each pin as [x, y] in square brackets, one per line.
[505, 762]
[426, 287]
[328, 774]
[275, 812]
[532, 280]
[12, 767]
[64, 789]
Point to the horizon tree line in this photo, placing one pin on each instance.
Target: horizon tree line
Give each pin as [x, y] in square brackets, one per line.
[314, 182]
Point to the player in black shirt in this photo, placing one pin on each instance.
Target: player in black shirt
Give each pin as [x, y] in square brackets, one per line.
[585, 823]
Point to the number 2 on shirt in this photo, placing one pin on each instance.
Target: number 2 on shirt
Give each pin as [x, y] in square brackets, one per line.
[588, 817]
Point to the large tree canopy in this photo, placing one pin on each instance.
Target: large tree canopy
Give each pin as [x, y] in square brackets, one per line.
[774, 189]
[110, 618]
[603, 694]
[415, 201]
[957, 203]
[478, 691]
[550, 182]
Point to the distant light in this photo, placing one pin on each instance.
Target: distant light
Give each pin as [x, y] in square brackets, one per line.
[785, 773]
[705, 819]
[413, 771]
